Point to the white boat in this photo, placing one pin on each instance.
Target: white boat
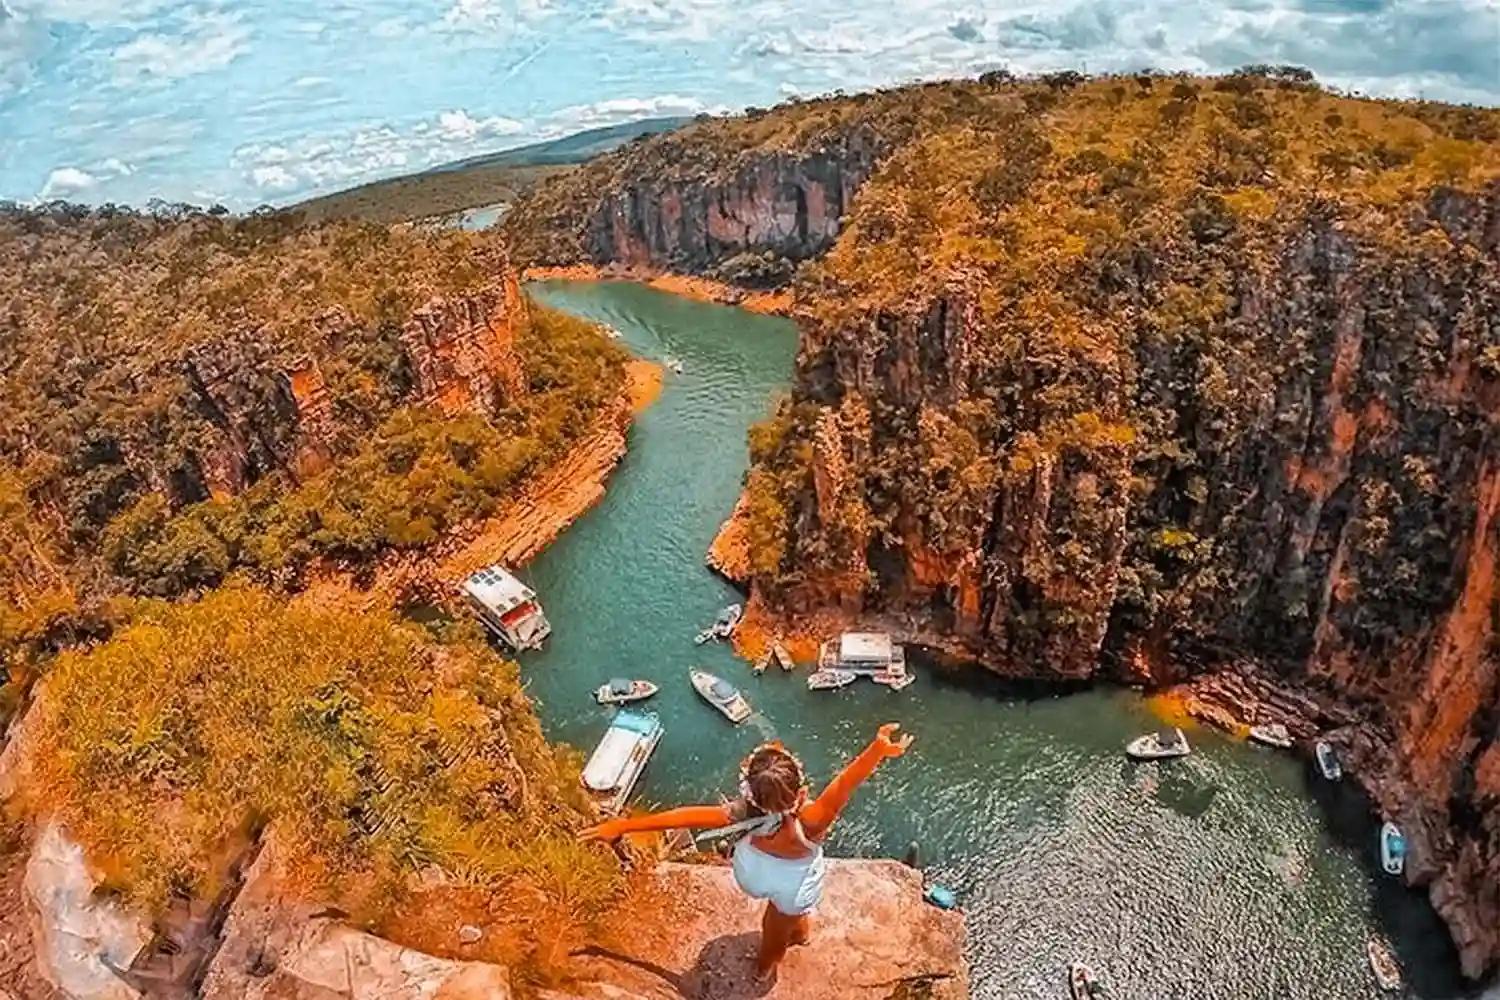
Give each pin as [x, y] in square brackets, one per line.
[507, 607]
[1383, 963]
[1082, 982]
[619, 690]
[611, 332]
[1392, 849]
[830, 680]
[1272, 735]
[1161, 745]
[862, 652]
[723, 626]
[673, 364]
[762, 663]
[897, 678]
[782, 656]
[617, 762]
[721, 695]
[1328, 761]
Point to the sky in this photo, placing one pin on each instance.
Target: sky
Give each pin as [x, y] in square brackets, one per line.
[249, 102]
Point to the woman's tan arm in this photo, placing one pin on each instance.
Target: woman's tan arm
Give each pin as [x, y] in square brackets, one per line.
[821, 813]
[690, 817]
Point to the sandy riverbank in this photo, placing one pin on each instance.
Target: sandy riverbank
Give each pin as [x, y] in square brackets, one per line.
[699, 289]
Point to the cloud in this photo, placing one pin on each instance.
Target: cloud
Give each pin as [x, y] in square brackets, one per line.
[274, 179]
[203, 42]
[66, 182]
[967, 29]
[461, 127]
[624, 109]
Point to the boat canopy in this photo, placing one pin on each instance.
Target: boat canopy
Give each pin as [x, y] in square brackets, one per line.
[1166, 737]
[619, 685]
[722, 689]
[606, 768]
[865, 647]
[498, 590]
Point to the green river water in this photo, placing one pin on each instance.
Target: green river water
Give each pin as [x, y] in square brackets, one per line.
[1234, 873]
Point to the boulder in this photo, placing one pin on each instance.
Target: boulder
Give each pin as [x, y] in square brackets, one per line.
[692, 933]
[83, 941]
[279, 947]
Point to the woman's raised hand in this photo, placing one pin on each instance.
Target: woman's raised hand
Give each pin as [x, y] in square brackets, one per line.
[890, 744]
[609, 831]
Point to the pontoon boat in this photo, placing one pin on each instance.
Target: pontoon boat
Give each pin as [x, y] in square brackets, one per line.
[617, 762]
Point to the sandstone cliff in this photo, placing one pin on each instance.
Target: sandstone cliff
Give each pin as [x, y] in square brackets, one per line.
[1131, 376]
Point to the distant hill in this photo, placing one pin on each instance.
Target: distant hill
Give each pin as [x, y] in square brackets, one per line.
[477, 181]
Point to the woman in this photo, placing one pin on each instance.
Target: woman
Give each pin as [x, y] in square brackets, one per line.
[780, 859]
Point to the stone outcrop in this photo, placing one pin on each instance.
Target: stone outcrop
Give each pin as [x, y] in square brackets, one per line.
[84, 943]
[462, 350]
[872, 939]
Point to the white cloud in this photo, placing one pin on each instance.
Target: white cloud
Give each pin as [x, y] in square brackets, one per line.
[65, 182]
[303, 82]
[460, 126]
[204, 42]
[274, 179]
[623, 109]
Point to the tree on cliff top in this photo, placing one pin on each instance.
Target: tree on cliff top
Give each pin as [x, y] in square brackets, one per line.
[373, 751]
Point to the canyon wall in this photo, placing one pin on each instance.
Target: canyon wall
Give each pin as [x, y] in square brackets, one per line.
[1133, 377]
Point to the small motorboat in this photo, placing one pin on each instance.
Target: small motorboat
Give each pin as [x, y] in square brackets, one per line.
[1082, 982]
[721, 695]
[1383, 963]
[830, 680]
[611, 332]
[761, 663]
[1162, 745]
[782, 656]
[673, 364]
[1272, 735]
[619, 690]
[723, 626]
[897, 678]
[1392, 849]
[1328, 761]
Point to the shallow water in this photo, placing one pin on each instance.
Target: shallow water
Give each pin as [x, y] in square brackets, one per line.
[1230, 874]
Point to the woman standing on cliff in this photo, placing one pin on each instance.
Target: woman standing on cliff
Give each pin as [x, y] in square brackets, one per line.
[780, 859]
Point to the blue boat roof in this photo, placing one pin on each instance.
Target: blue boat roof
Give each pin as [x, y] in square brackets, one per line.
[643, 723]
[723, 689]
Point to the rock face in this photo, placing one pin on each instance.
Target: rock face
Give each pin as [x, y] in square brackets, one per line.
[82, 942]
[1131, 377]
[872, 939]
[276, 947]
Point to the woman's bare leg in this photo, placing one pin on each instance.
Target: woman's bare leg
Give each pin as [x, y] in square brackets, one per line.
[776, 934]
[801, 930]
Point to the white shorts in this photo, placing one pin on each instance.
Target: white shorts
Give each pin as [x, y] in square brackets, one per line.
[792, 885]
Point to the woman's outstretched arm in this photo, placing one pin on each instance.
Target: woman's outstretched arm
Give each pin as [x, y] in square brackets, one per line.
[691, 817]
[821, 813]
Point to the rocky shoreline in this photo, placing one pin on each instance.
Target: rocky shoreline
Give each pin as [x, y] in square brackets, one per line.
[697, 288]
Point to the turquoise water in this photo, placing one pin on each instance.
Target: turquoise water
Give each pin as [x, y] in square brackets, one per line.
[1231, 874]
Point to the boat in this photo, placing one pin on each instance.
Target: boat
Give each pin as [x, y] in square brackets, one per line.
[1383, 963]
[867, 653]
[897, 683]
[1392, 849]
[782, 656]
[611, 332]
[619, 690]
[1162, 745]
[617, 762]
[762, 663]
[830, 680]
[723, 626]
[673, 364]
[1328, 761]
[1272, 735]
[1082, 982]
[507, 607]
[721, 695]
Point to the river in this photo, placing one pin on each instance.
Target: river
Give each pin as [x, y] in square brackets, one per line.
[1231, 874]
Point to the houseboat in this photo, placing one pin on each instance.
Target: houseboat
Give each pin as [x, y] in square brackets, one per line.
[866, 653]
[507, 607]
[616, 765]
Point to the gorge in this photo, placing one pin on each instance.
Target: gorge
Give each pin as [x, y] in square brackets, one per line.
[1129, 377]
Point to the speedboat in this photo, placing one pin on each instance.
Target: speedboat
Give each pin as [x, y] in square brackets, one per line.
[1272, 735]
[1328, 761]
[617, 762]
[782, 656]
[762, 663]
[1392, 849]
[829, 680]
[673, 364]
[1383, 963]
[1083, 983]
[620, 690]
[1162, 745]
[721, 695]
[723, 626]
